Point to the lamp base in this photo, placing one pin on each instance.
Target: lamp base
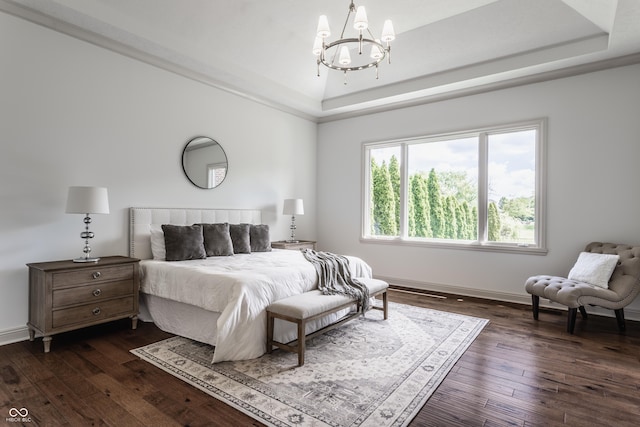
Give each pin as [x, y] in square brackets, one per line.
[86, 260]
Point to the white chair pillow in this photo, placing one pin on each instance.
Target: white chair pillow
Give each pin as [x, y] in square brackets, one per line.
[594, 269]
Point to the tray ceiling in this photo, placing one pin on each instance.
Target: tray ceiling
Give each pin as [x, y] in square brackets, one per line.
[262, 49]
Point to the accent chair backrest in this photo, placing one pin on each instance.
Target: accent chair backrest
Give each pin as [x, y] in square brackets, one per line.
[625, 280]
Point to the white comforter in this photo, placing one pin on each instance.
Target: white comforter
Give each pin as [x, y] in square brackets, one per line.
[240, 287]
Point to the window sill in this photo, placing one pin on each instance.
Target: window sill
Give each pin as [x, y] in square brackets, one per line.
[469, 246]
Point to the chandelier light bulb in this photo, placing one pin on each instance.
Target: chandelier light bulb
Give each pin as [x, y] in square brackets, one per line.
[345, 58]
[323, 30]
[387, 31]
[360, 22]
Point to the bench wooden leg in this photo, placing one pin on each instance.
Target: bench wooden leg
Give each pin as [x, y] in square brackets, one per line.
[385, 305]
[301, 342]
[270, 322]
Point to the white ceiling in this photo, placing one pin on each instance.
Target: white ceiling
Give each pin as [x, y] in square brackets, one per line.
[262, 49]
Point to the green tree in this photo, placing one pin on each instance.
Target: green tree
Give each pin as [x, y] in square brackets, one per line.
[474, 221]
[421, 214]
[436, 205]
[394, 175]
[471, 222]
[458, 184]
[451, 222]
[383, 202]
[462, 222]
[494, 223]
[521, 208]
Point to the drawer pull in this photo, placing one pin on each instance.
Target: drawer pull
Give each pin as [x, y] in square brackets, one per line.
[97, 293]
[96, 311]
[96, 274]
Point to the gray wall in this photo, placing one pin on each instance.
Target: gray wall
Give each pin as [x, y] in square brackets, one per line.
[72, 113]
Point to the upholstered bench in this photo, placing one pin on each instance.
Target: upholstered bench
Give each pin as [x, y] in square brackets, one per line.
[302, 308]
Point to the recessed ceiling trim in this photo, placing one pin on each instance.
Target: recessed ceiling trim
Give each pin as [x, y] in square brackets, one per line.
[575, 70]
[412, 88]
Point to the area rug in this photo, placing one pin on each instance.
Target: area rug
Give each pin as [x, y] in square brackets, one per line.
[368, 372]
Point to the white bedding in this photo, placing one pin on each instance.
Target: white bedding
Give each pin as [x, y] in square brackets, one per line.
[240, 287]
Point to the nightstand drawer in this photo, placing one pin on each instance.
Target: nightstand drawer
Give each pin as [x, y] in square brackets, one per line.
[89, 313]
[92, 293]
[92, 275]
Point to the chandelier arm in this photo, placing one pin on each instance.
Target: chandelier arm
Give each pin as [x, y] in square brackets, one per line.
[352, 7]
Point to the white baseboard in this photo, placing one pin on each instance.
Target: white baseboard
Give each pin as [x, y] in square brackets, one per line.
[524, 298]
[10, 336]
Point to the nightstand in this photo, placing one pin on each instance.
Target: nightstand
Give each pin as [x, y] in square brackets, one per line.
[65, 295]
[300, 244]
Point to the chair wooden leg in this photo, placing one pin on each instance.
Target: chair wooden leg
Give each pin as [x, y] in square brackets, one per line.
[571, 320]
[620, 318]
[583, 312]
[535, 303]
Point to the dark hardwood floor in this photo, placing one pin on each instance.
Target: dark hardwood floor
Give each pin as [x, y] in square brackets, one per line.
[517, 372]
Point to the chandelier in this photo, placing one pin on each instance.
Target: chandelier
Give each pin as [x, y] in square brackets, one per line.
[336, 55]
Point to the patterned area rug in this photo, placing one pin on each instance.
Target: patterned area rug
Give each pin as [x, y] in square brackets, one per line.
[368, 372]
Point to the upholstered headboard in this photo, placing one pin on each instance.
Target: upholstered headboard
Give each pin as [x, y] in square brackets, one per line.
[140, 220]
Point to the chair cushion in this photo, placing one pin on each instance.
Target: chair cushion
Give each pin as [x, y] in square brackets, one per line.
[566, 291]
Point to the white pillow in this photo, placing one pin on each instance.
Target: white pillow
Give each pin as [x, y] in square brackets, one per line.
[157, 242]
[594, 269]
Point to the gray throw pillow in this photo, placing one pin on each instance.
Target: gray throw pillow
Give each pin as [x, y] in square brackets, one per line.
[259, 237]
[217, 240]
[240, 238]
[183, 242]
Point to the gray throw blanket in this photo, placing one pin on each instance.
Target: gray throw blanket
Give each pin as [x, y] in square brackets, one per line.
[334, 276]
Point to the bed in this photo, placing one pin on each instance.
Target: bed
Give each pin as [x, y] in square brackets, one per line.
[220, 300]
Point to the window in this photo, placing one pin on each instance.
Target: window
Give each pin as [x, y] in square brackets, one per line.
[473, 189]
[216, 172]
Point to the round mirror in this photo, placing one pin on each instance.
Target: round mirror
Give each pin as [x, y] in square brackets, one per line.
[204, 162]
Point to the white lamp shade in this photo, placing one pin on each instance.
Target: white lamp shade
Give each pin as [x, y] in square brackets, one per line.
[376, 53]
[323, 30]
[345, 57]
[360, 22]
[293, 207]
[388, 34]
[317, 46]
[84, 200]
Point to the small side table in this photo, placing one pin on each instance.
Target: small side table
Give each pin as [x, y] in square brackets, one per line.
[64, 295]
[296, 246]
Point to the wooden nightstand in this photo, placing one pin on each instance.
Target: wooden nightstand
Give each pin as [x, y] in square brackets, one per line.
[64, 295]
[301, 244]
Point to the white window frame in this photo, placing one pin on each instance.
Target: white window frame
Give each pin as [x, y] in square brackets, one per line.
[482, 243]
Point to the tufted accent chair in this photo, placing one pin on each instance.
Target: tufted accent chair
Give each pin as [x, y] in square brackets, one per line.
[624, 286]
